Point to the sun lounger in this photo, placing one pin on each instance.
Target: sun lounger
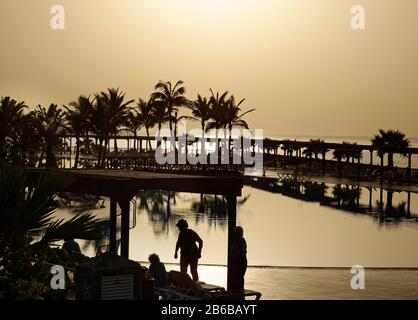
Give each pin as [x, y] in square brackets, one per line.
[71, 199]
[183, 287]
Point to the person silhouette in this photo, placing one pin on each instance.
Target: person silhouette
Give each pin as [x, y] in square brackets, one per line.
[189, 253]
[70, 245]
[238, 263]
[157, 270]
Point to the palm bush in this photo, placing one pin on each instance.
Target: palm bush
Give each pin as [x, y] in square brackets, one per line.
[28, 227]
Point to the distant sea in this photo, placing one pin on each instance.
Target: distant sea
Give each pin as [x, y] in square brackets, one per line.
[337, 139]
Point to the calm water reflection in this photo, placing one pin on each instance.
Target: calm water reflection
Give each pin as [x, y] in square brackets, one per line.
[286, 224]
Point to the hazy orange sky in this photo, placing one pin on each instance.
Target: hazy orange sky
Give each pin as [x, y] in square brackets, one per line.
[298, 62]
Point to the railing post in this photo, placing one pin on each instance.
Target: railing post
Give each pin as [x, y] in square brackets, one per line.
[124, 204]
[113, 223]
[232, 221]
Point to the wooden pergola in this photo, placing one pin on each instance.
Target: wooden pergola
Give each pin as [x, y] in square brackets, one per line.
[122, 186]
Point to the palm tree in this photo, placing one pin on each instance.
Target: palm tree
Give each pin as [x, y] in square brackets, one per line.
[351, 151]
[27, 223]
[317, 146]
[77, 121]
[11, 113]
[51, 126]
[390, 142]
[218, 113]
[172, 97]
[201, 111]
[133, 124]
[99, 119]
[25, 142]
[117, 110]
[339, 154]
[160, 115]
[176, 119]
[234, 115]
[145, 111]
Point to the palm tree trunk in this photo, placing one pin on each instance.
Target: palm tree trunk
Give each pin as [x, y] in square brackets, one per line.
[339, 167]
[3, 153]
[159, 132]
[203, 145]
[50, 157]
[77, 152]
[107, 144]
[99, 151]
[217, 144]
[230, 145]
[389, 201]
[390, 160]
[41, 157]
[168, 204]
[225, 146]
[149, 141]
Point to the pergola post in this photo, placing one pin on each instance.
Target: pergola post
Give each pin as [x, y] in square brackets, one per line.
[381, 168]
[113, 223]
[232, 222]
[408, 206]
[275, 157]
[124, 205]
[242, 150]
[408, 173]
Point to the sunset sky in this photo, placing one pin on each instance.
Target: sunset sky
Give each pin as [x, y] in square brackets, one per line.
[298, 62]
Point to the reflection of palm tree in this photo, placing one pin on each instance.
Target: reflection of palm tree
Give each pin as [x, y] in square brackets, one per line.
[314, 190]
[390, 142]
[347, 196]
[216, 209]
[156, 204]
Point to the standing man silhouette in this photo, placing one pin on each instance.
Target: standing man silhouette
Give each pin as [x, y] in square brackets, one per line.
[190, 252]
